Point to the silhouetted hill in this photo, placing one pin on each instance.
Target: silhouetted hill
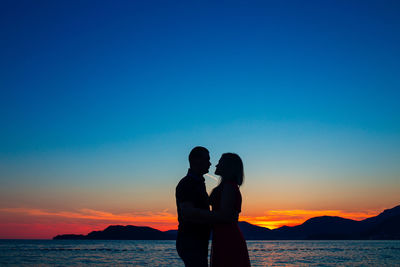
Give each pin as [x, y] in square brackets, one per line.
[384, 226]
[172, 233]
[328, 227]
[317, 228]
[387, 229]
[386, 214]
[118, 232]
[254, 232]
[70, 237]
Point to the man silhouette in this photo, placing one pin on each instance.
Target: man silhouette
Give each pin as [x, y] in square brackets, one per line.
[192, 239]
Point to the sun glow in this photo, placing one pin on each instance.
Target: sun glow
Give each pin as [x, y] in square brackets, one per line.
[277, 218]
[38, 223]
[46, 224]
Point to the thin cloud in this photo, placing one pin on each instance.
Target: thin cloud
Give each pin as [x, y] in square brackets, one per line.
[90, 214]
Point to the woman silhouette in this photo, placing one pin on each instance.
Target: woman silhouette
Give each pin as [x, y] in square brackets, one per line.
[228, 244]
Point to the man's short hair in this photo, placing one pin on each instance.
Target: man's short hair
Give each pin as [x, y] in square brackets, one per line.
[197, 152]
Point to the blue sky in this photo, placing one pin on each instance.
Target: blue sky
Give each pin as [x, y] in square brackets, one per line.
[101, 97]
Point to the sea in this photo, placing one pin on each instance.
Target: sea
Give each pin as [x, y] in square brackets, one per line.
[163, 253]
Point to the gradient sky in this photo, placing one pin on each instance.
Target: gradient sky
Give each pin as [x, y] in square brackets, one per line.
[101, 102]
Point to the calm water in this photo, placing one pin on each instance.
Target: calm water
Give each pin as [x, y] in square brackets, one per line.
[163, 253]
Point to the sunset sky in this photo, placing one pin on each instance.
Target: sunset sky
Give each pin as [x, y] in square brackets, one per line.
[102, 101]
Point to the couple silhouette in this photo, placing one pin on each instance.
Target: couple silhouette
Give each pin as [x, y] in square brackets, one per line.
[197, 221]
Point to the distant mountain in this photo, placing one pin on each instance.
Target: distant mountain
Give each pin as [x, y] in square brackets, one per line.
[387, 229]
[328, 227]
[254, 232]
[386, 214]
[384, 226]
[171, 234]
[118, 232]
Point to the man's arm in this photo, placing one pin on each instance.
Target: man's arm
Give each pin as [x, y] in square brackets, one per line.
[226, 214]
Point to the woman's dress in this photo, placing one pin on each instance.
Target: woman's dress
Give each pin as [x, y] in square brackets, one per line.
[228, 247]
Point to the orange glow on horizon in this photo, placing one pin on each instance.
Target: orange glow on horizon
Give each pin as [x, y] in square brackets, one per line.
[37, 223]
[277, 218]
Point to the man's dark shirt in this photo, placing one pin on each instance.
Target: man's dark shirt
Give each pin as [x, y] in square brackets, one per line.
[192, 189]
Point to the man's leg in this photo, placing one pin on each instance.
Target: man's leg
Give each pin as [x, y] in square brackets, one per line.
[194, 253]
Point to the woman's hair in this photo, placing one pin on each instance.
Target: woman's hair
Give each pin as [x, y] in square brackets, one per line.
[235, 164]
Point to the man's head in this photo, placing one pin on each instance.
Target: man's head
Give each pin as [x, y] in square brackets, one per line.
[199, 160]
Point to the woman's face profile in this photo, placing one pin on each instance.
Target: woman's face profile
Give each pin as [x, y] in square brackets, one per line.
[219, 168]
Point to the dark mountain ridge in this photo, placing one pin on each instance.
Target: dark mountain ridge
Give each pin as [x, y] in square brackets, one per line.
[386, 225]
[119, 232]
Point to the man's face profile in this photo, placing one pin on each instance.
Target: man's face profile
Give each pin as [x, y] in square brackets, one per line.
[203, 162]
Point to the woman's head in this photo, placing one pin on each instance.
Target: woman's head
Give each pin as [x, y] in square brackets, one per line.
[230, 168]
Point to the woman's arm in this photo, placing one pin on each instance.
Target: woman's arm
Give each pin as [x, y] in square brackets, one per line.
[226, 214]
